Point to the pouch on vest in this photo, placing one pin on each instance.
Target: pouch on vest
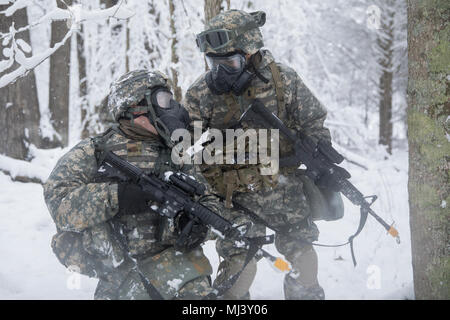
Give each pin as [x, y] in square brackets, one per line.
[167, 271]
[325, 204]
[93, 252]
[68, 248]
[214, 176]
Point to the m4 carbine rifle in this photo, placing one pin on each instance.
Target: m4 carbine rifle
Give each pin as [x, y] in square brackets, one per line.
[321, 161]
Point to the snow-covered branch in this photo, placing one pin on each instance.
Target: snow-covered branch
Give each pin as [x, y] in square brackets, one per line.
[26, 64]
[74, 15]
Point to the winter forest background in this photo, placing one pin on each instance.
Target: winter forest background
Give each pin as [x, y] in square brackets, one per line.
[351, 53]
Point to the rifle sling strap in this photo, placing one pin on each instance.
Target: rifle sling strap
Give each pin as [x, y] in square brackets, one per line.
[364, 213]
[279, 88]
[100, 143]
[150, 288]
[254, 245]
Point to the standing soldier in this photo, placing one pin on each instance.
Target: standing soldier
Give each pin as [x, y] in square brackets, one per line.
[241, 71]
[108, 228]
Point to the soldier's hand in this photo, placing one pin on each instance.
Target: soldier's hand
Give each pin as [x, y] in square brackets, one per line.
[132, 200]
[332, 179]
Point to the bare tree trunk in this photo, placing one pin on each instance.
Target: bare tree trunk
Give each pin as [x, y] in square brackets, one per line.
[211, 9]
[176, 88]
[385, 43]
[83, 87]
[102, 108]
[60, 81]
[429, 147]
[19, 106]
[385, 111]
[150, 46]
[127, 47]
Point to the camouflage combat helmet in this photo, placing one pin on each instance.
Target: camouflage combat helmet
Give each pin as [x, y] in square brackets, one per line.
[131, 88]
[233, 30]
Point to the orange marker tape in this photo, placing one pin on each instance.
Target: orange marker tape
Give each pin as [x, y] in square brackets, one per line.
[393, 232]
[282, 265]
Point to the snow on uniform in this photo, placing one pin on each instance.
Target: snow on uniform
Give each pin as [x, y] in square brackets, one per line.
[283, 203]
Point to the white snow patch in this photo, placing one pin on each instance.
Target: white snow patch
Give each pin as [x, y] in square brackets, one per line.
[167, 175]
[175, 283]
[217, 232]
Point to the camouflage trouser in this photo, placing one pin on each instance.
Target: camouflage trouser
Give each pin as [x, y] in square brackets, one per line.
[173, 274]
[233, 261]
[193, 290]
[286, 209]
[302, 257]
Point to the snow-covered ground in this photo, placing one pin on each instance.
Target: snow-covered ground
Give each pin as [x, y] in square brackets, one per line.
[29, 270]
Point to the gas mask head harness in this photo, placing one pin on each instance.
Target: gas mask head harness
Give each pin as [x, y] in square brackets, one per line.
[163, 112]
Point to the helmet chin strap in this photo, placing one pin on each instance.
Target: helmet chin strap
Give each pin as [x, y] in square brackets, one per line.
[132, 116]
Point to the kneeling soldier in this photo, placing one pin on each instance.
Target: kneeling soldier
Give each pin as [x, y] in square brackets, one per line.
[107, 227]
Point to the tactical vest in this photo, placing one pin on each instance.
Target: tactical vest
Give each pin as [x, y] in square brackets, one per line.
[251, 93]
[227, 179]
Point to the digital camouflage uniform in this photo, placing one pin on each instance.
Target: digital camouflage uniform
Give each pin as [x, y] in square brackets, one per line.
[95, 240]
[283, 204]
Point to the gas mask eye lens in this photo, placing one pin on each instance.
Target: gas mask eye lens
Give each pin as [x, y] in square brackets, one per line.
[233, 63]
[161, 98]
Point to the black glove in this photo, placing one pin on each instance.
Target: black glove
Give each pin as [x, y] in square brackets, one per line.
[332, 179]
[132, 200]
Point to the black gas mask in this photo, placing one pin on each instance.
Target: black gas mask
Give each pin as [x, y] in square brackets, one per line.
[228, 74]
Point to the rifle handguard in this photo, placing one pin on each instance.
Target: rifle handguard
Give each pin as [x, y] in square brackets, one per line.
[329, 152]
[187, 184]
